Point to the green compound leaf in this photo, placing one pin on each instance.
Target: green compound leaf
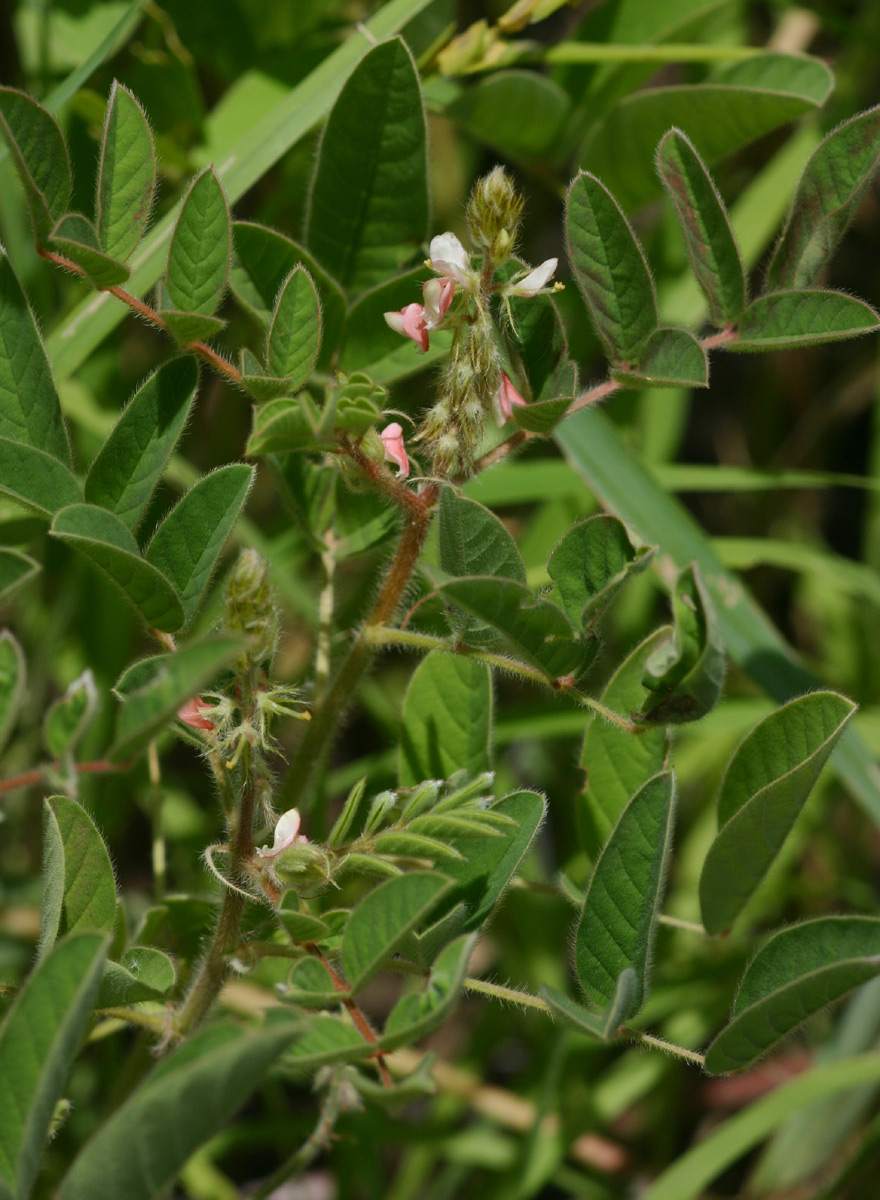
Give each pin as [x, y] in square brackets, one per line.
[153, 689]
[447, 719]
[743, 102]
[383, 919]
[76, 239]
[38, 1042]
[109, 543]
[79, 887]
[16, 569]
[416, 1014]
[671, 358]
[828, 195]
[198, 259]
[130, 463]
[708, 234]
[368, 207]
[39, 154]
[536, 630]
[766, 785]
[785, 320]
[610, 269]
[30, 411]
[139, 1150]
[798, 972]
[616, 763]
[142, 974]
[295, 331]
[604, 1027]
[126, 175]
[38, 480]
[619, 918]
[13, 680]
[262, 260]
[590, 566]
[686, 673]
[187, 544]
[68, 718]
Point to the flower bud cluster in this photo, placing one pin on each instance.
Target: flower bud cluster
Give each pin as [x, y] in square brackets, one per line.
[250, 607]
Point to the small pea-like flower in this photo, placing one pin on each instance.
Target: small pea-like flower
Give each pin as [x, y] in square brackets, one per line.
[534, 283]
[192, 714]
[505, 400]
[395, 451]
[437, 295]
[410, 322]
[448, 257]
[287, 834]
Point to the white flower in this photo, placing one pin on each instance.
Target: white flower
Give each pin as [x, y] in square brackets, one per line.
[286, 834]
[534, 282]
[449, 257]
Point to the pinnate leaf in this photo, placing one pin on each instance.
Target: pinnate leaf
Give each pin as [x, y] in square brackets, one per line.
[416, 1014]
[79, 887]
[198, 259]
[610, 269]
[786, 320]
[110, 544]
[325, 1039]
[13, 680]
[310, 985]
[187, 544]
[295, 332]
[828, 195]
[368, 207]
[686, 673]
[76, 238]
[188, 327]
[153, 689]
[130, 463]
[143, 973]
[619, 919]
[764, 789]
[590, 565]
[30, 411]
[708, 235]
[384, 918]
[798, 972]
[126, 175]
[139, 1150]
[38, 1042]
[604, 1027]
[39, 153]
[36, 479]
[447, 719]
[671, 358]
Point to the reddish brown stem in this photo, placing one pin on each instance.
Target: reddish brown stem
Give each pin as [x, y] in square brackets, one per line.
[360, 1021]
[38, 774]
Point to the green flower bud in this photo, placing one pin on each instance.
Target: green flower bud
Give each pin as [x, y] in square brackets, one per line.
[493, 214]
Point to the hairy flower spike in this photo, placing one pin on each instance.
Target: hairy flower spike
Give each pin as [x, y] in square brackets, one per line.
[251, 608]
[494, 211]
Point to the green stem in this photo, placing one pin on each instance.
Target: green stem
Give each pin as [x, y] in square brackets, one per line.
[383, 636]
[333, 703]
[312, 1147]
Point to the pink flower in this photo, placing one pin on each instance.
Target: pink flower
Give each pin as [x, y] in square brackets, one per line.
[287, 834]
[437, 295]
[449, 257]
[534, 282]
[395, 451]
[410, 322]
[505, 400]
[191, 714]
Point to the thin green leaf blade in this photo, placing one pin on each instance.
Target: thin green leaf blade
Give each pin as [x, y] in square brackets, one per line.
[368, 208]
[30, 411]
[447, 720]
[16, 569]
[143, 973]
[126, 175]
[766, 785]
[38, 480]
[798, 972]
[109, 543]
[610, 269]
[153, 689]
[416, 1014]
[38, 1042]
[603, 1027]
[473, 541]
[619, 918]
[39, 153]
[139, 1150]
[786, 320]
[76, 238]
[68, 718]
[708, 234]
[295, 332]
[187, 544]
[198, 258]
[616, 763]
[828, 194]
[130, 463]
[383, 919]
[89, 887]
[671, 358]
[13, 681]
[590, 565]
